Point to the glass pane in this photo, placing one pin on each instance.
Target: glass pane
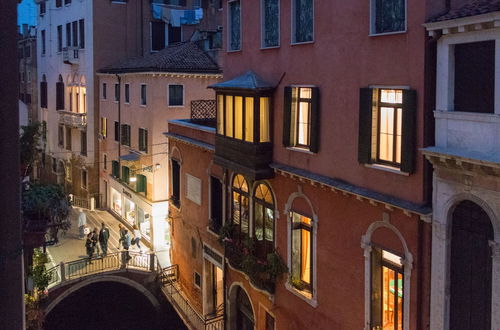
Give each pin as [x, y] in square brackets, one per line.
[303, 20]
[238, 117]
[376, 288]
[386, 134]
[398, 134]
[271, 21]
[236, 207]
[259, 222]
[269, 224]
[229, 116]
[249, 119]
[295, 254]
[264, 120]
[303, 124]
[400, 301]
[244, 215]
[234, 9]
[390, 16]
[389, 286]
[306, 256]
[305, 93]
[391, 96]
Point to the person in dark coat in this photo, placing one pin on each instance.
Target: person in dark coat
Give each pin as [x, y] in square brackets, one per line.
[121, 231]
[126, 241]
[95, 239]
[89, 247]
[103, 239]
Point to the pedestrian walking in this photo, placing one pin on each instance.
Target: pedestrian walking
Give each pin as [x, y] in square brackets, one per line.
[137, 237]
[126, 244]
[89, 248]
[95, 239]
[121, 231]
[82, 222]
[103, 239]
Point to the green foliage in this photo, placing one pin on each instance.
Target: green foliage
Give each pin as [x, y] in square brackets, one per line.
[46, 202]
[275, 265]
[40, 276]
[30, 145]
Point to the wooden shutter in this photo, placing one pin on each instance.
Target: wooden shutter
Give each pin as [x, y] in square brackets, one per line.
[365, 125]
[115, 168]
[59, 96]
[287, 113]
[126, 174]
[141, 183]
[43, 94]
[315, 118]
[409, 131]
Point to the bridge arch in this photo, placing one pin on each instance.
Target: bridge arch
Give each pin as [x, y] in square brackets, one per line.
[102, 278]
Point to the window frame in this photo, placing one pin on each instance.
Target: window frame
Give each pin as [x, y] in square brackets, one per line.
[43, 41]
[104, 92]
[293, 40]
[60, 136]
[142, 145]
[263, 28]
[175, 194]
[125, 135]
[242, 194]
[117, 93]
[373, 21]
[215, 223]
[265, 205]
[117, 131]
[308, 287]
[68, 138]
[104, 127]
[59, 39]
[127, 93]
[105, 162]
[169, 96]
[229, 49]
[143, 97]
[83, 143]
[84, 174]
[394, 107]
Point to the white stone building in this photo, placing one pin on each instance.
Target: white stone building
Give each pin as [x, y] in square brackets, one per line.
[465, 287]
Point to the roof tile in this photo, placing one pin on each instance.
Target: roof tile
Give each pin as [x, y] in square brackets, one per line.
[472, 8]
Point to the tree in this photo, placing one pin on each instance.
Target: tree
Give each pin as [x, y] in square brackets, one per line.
[47, 204]
[30, 146]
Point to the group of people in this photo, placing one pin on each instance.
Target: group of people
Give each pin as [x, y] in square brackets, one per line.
[102, 236]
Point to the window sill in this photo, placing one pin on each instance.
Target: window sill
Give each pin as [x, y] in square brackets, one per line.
[176, 106]
[126, 103]
[143, 105]
[387, 33]
[386, 168]
[303, 150]
[210, 231]
[233, 50]
[269, 47]
[301, 43]
[306, 296]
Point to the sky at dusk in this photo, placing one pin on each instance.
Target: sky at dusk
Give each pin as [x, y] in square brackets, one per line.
[26, 13]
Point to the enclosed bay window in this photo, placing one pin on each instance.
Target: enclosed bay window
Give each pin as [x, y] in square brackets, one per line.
[263, 224]
[301, 252]
[240, 205]
[301, 118]
[386, 290]
[387, 127]
[244, 118]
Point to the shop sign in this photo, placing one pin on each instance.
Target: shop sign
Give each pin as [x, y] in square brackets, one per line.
[212, 254]
[126, 193]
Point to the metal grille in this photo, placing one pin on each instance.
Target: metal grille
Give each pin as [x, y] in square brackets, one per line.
[204, 112]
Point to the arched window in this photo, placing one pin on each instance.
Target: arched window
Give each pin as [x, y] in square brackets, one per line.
[240, 206]
[60, 94]
[263, 220]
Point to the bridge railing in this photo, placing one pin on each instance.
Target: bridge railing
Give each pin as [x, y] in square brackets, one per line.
[114, 261]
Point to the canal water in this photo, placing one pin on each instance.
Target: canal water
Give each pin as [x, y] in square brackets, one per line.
[110, 305]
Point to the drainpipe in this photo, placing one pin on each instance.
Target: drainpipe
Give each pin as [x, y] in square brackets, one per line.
[119, 124]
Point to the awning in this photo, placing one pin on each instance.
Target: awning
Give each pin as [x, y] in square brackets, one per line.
[131, 157]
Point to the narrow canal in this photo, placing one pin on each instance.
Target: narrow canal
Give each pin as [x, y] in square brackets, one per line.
[110, 305]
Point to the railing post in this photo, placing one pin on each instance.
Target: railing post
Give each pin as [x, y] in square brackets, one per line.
[152, 262]
[63, 271]
[123, 257]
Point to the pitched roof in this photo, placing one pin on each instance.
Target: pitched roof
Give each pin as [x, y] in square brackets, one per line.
[248, 80]
[472, 8]
[186, 57]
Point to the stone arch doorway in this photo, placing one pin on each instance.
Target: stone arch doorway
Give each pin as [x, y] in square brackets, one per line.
[470, 267]
[241, 315]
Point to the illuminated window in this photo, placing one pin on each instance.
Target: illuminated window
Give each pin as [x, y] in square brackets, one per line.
[104, 127]
[387, 292]
[302, 229]
[244, 118]
[263, 220]
[301, 128]
[387, 121]
[240, 205]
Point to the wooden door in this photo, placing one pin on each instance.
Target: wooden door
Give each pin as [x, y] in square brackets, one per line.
[470, 273]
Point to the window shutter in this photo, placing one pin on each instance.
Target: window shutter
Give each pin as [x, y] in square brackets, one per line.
[126, 174]
[116, 168]
[409, 131]
[315, 115]
[287, 113]
[141, 183]
[145, 141]
[365, 125]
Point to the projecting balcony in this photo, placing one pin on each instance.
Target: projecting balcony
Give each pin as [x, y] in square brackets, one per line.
[71, 55]
[73, 119]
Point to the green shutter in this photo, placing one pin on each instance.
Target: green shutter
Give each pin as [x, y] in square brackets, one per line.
[287, 113]
[116, 169]
[315, 118]
[365, 125]
[125, 174]
[409, 131]
[141, 183]
[145, 141]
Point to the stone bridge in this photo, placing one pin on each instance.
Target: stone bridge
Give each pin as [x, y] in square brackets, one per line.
[141, 272]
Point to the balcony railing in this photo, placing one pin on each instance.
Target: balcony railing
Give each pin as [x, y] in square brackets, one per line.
[468, 131]
[203, 112]
[73, 119]
[70, 55]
